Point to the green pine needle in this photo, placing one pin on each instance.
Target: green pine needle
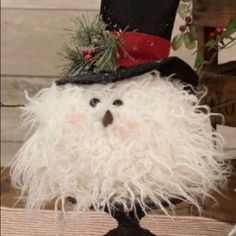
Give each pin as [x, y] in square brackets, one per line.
[106, 60]
[91, 35]
[85, 31]
[76, 61]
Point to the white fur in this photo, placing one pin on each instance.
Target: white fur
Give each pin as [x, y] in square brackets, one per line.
[160, 146]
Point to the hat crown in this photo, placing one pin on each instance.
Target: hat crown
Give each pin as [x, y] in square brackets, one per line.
[153, 20]
[155, 17]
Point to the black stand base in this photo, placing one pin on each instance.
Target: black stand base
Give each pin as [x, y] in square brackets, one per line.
[120, 231]
[128, 224]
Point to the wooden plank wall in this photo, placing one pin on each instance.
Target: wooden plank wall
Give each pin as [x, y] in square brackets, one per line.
[89, 5]
[33, 32]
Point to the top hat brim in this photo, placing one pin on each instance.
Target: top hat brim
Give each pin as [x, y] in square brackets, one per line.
[172, 66]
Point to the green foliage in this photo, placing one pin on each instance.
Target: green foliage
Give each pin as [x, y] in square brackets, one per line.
[193, 31]
[198, 61]
[76, 61]
[219, 42]
[188, 36]
[189, 41]
[177, 41]
[106, 57]
[230, 29]
[184, 38]
[100, 44]
[184, 9]
[87, 34]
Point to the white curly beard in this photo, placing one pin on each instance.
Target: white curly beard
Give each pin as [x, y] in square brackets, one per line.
[160, 146]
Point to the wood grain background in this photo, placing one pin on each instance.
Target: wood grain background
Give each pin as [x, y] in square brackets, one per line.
[223, 10]
[33, 32]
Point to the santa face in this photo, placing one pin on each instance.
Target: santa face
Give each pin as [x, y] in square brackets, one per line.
[131, 142]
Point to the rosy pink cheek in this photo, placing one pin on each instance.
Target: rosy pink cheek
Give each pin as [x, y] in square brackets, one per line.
[75, 119]
[127, 128]
[131, 125]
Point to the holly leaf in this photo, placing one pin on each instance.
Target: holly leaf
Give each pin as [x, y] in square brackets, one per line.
[184, 10]
[232, 24]
[219, 38]
[211, 44]
[177, 41]
[230, 29]
[189, 42]
[198, 61]
[193, 31]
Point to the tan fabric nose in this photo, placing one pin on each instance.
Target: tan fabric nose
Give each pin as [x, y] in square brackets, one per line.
[107, 119]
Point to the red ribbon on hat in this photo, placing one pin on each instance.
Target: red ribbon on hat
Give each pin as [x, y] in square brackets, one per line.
[141, 48]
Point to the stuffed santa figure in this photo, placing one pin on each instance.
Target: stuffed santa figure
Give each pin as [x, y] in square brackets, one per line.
[123, 130]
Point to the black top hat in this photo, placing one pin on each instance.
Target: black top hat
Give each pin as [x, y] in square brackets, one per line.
[154, 17]
[148, 25]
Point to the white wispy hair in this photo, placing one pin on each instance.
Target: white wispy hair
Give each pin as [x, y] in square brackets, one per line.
[160, 146]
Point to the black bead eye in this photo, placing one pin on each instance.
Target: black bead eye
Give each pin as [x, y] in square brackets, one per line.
[93, 102]
[117, 102]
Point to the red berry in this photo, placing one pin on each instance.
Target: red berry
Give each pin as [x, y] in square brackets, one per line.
[88, 57]
[85, 52]
[182, 28]
[188, 19]
[219, 30]
[212, 35]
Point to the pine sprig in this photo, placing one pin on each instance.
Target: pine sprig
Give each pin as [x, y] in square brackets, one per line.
[86, 33]
[91, 47]
[106, 59]
[76, 61]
